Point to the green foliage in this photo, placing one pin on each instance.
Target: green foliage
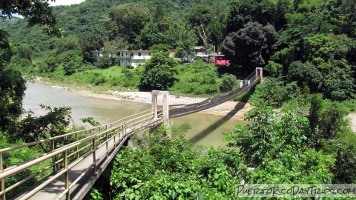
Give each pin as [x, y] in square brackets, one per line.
[105, 61]
[275, 92]
[71, 61]
[228, 82]
[197, 78]
[94, 194]
[90, 120]
[12, 88]
[33, 128]
[305, 74]
[16, 157]
[158, 73]
[264, 12]
[268, 135]
[274, 69]
[128, 20]
[180, 53]
[326, 47]
[345, 153]
[156, 48]
[171, 168]
[251, 46]
[37, 12]
[309, 167]
[326, 120]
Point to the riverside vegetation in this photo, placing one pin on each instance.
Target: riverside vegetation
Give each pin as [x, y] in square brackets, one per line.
[307, 48]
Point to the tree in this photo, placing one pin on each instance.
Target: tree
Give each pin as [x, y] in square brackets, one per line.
[36, 12]
[305, 74]
[33, 128]
[159, 72]
[264, 12]
[308, 167]
[252, 45]
[268, 135]
[199, 17]
[128, 20]
[326, 119]
[12, 85]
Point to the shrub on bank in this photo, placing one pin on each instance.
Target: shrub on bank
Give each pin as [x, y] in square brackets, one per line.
[197, 78]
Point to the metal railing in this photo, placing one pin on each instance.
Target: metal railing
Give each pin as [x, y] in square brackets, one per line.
[60, 160]
[245, 85]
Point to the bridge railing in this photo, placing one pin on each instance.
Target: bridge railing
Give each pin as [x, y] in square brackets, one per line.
[245, 84]
[60, 160]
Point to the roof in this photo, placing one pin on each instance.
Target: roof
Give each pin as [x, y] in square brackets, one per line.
[133, 51]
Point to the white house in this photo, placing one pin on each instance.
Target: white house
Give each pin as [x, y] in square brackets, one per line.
[133, 58]
[128, 58]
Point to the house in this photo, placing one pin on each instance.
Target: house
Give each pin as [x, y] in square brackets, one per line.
[128, 58]
[133, 58]
[199, 51]
[94, 55]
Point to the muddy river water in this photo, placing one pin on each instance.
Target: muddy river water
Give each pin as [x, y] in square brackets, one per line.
[207, 130]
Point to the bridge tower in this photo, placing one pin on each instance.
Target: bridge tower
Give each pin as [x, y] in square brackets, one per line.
[259, 72]
[165, 114]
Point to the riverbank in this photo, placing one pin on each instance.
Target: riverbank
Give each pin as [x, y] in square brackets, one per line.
[230, 109]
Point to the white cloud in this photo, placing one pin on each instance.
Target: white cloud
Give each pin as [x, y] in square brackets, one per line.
[65, 2]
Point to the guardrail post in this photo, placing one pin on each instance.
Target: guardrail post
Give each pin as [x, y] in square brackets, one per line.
[77, 147]
[115, 138]
[165, 107]
[154, 103]
[107, 144]
[94, 153]
[66, 175]
[122, 132]
[3, 196]
[54, 158]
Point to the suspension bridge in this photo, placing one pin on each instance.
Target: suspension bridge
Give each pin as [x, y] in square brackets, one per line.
[72, 162]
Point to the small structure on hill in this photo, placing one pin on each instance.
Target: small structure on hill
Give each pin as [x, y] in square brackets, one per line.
[219, 60]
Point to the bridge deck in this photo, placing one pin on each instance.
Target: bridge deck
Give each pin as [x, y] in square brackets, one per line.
[83, 168]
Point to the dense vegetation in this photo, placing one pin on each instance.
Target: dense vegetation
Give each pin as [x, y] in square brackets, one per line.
[307, 48]
[310, 43]
[275, 148]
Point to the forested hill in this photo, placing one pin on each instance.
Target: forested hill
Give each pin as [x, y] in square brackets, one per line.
[310, 43]
[94, 22]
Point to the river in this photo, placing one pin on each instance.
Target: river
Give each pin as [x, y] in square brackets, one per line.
[207, 130]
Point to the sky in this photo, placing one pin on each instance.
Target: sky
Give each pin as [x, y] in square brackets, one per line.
[65, 2]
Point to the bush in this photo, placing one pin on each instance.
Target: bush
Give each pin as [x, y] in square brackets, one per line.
[228, 82]
[158, 73]
[275, 92]
[105, 61]
[97, 79]
[197, 78]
